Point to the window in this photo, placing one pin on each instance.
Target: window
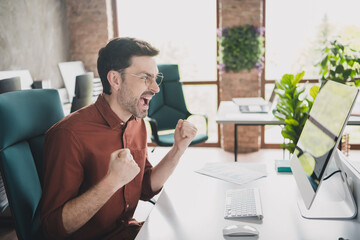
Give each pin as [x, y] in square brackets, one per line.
[296, 31]
[185, 33]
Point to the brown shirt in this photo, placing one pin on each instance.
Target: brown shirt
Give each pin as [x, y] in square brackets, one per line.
[76, 157]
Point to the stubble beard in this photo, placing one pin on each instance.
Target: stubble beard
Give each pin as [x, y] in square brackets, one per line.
[130, 103]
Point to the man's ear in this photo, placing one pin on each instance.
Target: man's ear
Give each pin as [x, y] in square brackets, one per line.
[114, 79]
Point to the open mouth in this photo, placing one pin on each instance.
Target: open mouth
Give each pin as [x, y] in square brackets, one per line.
[145, 101]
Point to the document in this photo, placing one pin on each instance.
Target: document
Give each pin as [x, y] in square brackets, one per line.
[234, 172]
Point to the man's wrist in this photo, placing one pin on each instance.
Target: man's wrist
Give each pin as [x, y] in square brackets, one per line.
[177, 152]
[111, 182]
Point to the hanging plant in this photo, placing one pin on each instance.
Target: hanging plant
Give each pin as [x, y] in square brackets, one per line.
[241, 47]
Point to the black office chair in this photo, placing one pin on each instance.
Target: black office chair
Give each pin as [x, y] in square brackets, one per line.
[168, 106]
[10, 84]
[83, 92]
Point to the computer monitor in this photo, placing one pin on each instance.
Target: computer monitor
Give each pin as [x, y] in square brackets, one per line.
[323, 190]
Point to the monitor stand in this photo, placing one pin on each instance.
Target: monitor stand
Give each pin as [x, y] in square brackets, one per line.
[334, 199]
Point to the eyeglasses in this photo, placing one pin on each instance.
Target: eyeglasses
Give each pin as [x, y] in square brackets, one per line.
[148, 78]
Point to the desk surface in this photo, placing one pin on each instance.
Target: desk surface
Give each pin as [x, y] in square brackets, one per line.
[229, 112]
[191, 206]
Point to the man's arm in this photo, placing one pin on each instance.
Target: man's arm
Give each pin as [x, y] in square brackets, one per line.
[78, 211]
[184, 134]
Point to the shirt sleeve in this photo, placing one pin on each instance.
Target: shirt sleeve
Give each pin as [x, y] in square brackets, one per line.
[63, 175]
[146, 192]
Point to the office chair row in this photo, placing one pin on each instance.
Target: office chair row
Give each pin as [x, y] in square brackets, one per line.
[83, 89]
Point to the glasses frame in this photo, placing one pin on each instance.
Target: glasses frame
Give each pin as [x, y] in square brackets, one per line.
[148, 78]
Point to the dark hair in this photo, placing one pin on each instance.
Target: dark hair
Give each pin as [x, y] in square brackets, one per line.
[116, 55]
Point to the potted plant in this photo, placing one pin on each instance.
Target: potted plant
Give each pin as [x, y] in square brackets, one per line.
[339, 63]
[293, 107]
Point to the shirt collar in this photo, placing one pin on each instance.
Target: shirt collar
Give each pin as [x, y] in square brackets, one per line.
[108, 114]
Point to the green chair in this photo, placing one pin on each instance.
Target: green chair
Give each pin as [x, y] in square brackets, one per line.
[7, 85]
[168, 106]
[25, 116]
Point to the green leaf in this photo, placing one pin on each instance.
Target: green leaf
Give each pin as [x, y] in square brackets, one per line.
[339, 69]
[324, 61]
[304, 109]
[292, 122]
[332, 74]
[351, 62]
[334, 50]
[287, 147]
[357, 83]
[341, 46]
[333, 62]
[347, 73]
[279, 86]
[314, 90]
[298, 77]
[288, 135]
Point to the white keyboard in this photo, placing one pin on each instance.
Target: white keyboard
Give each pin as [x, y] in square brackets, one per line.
[244, 202]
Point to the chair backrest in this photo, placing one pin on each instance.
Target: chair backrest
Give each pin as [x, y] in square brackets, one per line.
[83, 91]
[7, 85]
[25, 116]
[84, 85]
[168, 106]
[10, 84]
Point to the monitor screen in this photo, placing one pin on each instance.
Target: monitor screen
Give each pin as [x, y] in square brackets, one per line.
[320, 136]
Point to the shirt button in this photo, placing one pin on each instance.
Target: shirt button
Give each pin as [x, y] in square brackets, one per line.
[121, 123]
[127, 206]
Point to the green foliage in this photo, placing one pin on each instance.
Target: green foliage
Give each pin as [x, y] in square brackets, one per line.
[292, 109]
[339, 63]
[241, 47]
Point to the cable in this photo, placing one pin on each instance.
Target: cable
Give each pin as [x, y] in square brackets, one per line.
[337, 171]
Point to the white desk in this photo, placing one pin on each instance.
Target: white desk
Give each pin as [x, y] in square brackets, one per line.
[191, 207]
[229, 113]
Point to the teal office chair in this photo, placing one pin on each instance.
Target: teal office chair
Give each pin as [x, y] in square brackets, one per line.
[25, 116]
[168, 106]
[7, 85]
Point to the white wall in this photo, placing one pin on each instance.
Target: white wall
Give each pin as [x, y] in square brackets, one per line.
[34, 36]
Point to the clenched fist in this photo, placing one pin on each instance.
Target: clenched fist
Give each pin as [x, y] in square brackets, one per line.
[184, 134]
[122, 167]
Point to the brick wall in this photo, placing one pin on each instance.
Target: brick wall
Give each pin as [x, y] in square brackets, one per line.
[90, 28]
[244, 83]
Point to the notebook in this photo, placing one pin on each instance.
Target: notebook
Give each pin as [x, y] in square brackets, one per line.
[255, 104]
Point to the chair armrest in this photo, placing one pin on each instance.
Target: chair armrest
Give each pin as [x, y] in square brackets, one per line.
[205, 118]
[154, 128]
[153, 201]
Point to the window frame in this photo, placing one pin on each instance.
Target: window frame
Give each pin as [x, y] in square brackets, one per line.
[216, 82]
[272, 81]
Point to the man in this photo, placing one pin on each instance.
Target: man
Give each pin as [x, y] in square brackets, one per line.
[96, 167]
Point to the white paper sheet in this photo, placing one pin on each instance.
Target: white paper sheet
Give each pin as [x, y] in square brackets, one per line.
[234, 172]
